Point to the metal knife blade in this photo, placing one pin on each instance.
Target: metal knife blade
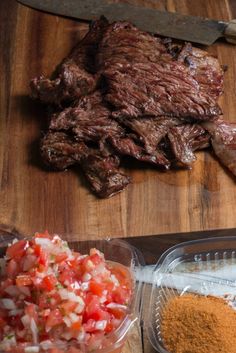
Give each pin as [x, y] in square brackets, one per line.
[189, 28]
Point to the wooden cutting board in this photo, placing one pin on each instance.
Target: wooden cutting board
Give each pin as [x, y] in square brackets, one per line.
[32, 198]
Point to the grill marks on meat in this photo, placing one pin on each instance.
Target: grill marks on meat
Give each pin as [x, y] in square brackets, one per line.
[204, 68]
[74, 77]
[89, 120]
[103, 175]
[143, 79]
[61, 151]
[125, 92]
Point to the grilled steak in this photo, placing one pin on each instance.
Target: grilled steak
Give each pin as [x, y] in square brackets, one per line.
[103, 175]
[89, 120]
[60, 151]
[123, 92]
[74, 77]
[223, 139]
[144, 80]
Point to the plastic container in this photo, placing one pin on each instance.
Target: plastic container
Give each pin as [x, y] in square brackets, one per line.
[206, 267]
[115, 251]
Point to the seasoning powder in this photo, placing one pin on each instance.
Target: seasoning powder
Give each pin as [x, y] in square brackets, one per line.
[198, 324]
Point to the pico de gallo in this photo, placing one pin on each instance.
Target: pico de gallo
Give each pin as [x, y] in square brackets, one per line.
[51, 295]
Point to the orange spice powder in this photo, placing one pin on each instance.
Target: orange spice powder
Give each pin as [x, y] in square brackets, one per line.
[199, 324]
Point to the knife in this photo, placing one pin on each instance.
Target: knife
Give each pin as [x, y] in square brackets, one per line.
[194, 29]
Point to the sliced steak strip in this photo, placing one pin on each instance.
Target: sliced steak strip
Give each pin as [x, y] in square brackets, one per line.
[103, 175]
[60, 151]
[223, 139]
[151, 130]
[144, 80]
[74, 77]
[128, 146]
[89, 120]
[181, 146]
[204, 68]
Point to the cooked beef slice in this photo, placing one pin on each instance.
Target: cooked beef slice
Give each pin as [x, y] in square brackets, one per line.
[204, 68]
[74, 77]
[150, 130]
[128, 146]
[223, 139]
[195, 135]
[60, 151]
[88, 120]
[180, 147]
[144, 80]
[103, 175]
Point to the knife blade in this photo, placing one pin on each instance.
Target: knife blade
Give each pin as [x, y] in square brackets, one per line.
[174, 25]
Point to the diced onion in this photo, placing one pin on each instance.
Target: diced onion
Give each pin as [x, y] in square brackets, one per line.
[15, 312]
[101, 325]
[31, 349]
[34, 331]
[47, 344]
[25, 320]
[73, 317]
[8, 304]
[12, 290]
[67, 321]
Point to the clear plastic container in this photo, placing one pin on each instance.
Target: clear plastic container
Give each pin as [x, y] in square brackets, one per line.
[206, 267]
[117, 251]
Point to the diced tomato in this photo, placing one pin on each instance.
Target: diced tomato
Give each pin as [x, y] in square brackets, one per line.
[43, 235]
[117, 312]
[17, 250]
[2, 322]
[48, 283]
[94, 311]
[76, 326]
[66, 276]
[89, 326]
[68, 307]
[109, 327]
[56, 350]
[121, 295]
[23, 280]
[37, 249]
[87, 265]
[54, 319]
[96, 259]
[122, 274]
[43, 258]
[12, 268]
[31, 311]
[61, 257]
[96, 288]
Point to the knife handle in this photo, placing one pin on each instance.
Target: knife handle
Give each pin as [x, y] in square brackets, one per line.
[230, 32]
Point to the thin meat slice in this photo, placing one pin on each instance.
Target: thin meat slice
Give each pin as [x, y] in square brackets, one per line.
[151, 130]
[185, 139]
[75, 76]
[128, 146]
[204, 68]
[60, 151]
[103, 175]
[88, 120]
[223, 139]
[195, 135]
[144, 80]
[181, 147]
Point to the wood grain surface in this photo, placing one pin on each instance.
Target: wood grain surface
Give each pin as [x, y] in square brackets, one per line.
[33, 199]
